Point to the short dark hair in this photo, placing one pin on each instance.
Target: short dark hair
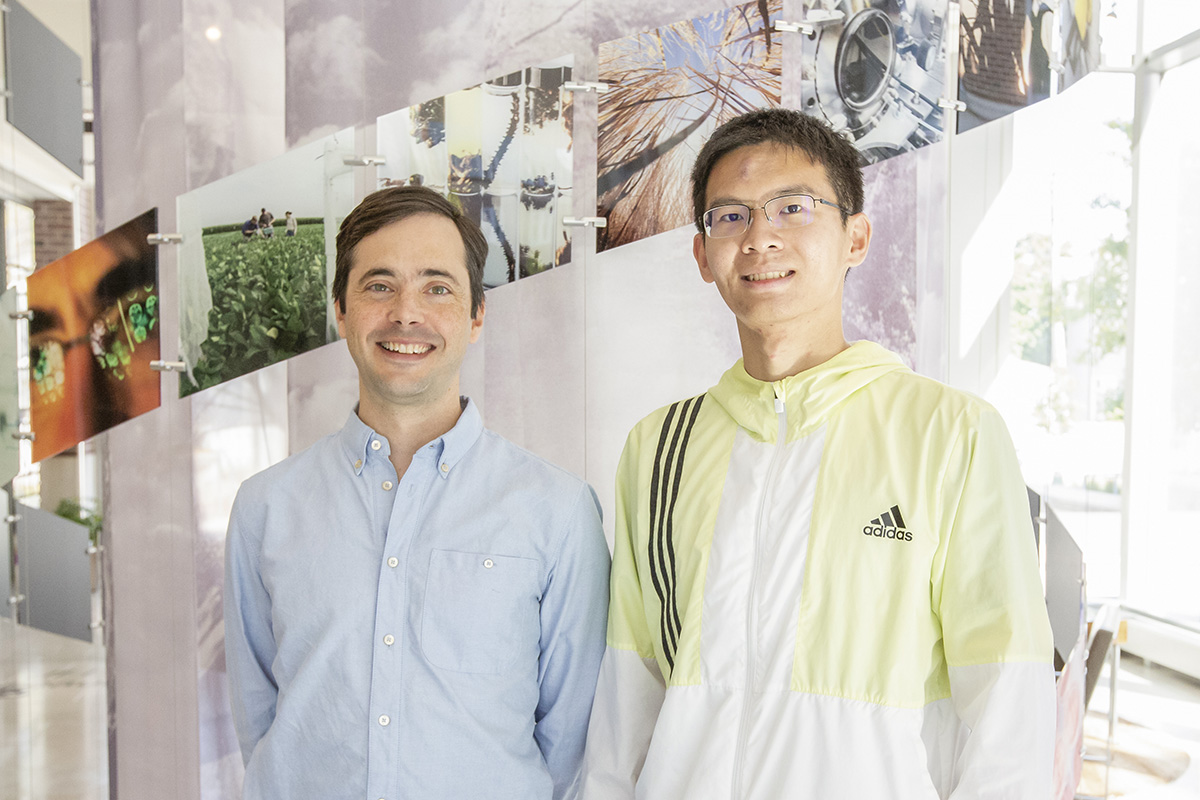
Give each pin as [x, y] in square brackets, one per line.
[382, 208]
[790, 128]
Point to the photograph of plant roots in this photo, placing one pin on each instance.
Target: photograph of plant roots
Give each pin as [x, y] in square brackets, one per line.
[875, 70]
[256, 261]
[501, 151]
[1003, 64]
[669, 88]
[92, 335]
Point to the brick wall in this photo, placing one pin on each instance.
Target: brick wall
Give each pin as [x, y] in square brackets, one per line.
[53, 230]
[994, 57]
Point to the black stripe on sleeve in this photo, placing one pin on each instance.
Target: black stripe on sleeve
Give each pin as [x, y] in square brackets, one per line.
[666, 478]
[655, 477]
[671, 509]
[669, 634]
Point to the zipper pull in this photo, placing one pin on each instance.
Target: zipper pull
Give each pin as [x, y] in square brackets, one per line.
[780, 396]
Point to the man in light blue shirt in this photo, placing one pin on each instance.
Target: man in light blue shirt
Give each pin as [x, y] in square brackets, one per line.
[414, 607]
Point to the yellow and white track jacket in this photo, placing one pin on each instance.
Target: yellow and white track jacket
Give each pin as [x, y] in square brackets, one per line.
[824, 588]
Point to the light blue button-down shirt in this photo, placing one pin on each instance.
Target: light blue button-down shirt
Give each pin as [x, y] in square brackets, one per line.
[436, 635]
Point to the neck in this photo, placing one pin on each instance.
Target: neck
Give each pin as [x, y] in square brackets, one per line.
[776, 353]
[408, 428]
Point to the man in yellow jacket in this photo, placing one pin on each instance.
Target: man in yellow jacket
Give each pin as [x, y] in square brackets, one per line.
[824, 582]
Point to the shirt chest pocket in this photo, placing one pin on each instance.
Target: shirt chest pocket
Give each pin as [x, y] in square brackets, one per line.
[481, 611]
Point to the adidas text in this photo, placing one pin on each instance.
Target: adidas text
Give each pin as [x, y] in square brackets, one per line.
[888, 532]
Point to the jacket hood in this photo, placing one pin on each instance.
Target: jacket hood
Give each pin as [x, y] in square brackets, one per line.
[810, 396]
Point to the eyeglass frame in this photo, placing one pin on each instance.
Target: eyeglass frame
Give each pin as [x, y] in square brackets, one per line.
[763, 208]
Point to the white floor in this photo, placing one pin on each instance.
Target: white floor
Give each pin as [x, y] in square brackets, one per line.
[53, 740]
[1161, 710]
[53, 744]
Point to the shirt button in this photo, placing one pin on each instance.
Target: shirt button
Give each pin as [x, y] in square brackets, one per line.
[375, 445]
[358, 464]
[445, 467]
[393, 562]
[389, 640]
[384, 719]
[387, 486]
[488, 563]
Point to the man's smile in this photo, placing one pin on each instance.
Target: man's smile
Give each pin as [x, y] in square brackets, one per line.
[407, 349]
[767, 276]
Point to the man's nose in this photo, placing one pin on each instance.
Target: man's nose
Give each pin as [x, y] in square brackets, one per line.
[407, 306]
[760, 233]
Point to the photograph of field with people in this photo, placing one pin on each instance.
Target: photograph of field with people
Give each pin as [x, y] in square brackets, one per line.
[256, 262]
[669, 88]
[268, 293]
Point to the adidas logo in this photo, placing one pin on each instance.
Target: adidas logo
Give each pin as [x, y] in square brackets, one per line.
[888, 525]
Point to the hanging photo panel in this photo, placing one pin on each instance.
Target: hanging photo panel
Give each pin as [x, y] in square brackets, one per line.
[92, 335]
[875, 72]
[502, 152]
[1003, 63]
[257, 262]
[669, 88]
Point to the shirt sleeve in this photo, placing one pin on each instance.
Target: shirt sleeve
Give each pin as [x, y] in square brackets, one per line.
[995, 628]
[631, 689]
[249, 639]
[574, 611]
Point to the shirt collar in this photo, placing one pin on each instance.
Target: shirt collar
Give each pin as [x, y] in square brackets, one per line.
[357, 440]
[810, 396]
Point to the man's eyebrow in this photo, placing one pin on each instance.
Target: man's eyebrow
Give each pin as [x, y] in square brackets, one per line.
[798, 188]
[432, 272]
[388, 272]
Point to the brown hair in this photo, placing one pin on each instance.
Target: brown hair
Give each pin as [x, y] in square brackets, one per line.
[382, 208]
[783, 126]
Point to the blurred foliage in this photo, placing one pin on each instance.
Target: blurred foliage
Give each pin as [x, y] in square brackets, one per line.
[69, 508]
[1032, 299]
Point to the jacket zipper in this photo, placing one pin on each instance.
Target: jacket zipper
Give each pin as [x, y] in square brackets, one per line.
[751, 608]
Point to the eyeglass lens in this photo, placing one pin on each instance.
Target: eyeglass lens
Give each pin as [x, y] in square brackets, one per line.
[789, 211]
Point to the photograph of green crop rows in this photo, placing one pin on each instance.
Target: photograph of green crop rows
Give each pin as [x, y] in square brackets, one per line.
[268, 300]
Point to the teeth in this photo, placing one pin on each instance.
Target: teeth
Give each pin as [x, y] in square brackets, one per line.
[765, 276]
[410, 349]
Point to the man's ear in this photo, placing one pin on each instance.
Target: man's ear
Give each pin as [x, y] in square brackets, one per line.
[858, 230]
[477, 322]
[340, 315]
[701, 257]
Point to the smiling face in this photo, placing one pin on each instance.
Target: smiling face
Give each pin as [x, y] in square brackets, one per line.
[781, 284]
[407, 317]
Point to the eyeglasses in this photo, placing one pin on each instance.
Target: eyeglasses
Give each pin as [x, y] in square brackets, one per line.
[787, 211]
